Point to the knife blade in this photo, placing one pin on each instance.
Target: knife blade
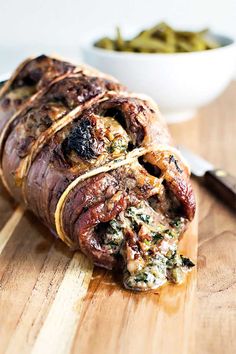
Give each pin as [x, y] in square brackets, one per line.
[217, 180]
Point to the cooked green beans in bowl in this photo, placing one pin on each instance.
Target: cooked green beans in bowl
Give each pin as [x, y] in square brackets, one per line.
[160, 39]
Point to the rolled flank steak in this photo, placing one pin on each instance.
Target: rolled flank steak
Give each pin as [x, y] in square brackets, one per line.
[94, 162]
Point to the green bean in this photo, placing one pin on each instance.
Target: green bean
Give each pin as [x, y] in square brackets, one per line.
[120, 44]
[105, 43]
[160, 39]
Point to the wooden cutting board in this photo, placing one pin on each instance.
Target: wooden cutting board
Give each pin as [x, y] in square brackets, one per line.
[53, 301]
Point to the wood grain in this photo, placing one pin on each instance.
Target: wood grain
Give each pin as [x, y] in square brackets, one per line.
[58, 330]
[10, 226]
[42, 283]
[212, 134]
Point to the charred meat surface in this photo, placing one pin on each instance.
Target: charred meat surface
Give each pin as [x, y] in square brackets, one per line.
[81, 141]
[40, 71]
[90, 141]
[60, 98]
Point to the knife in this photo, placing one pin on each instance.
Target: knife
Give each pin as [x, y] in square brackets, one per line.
[217, 180]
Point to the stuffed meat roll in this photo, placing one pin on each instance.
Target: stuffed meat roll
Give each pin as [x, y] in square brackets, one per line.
[95, 163]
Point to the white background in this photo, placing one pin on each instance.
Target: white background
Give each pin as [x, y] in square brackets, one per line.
[31, 27]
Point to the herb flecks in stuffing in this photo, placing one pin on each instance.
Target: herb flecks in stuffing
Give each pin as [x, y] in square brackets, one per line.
[149, 248]
[114, 236]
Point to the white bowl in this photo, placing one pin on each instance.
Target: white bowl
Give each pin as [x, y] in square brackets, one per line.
[179, 83]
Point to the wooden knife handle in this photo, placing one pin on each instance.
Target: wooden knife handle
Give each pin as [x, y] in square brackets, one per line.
[223, 185]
